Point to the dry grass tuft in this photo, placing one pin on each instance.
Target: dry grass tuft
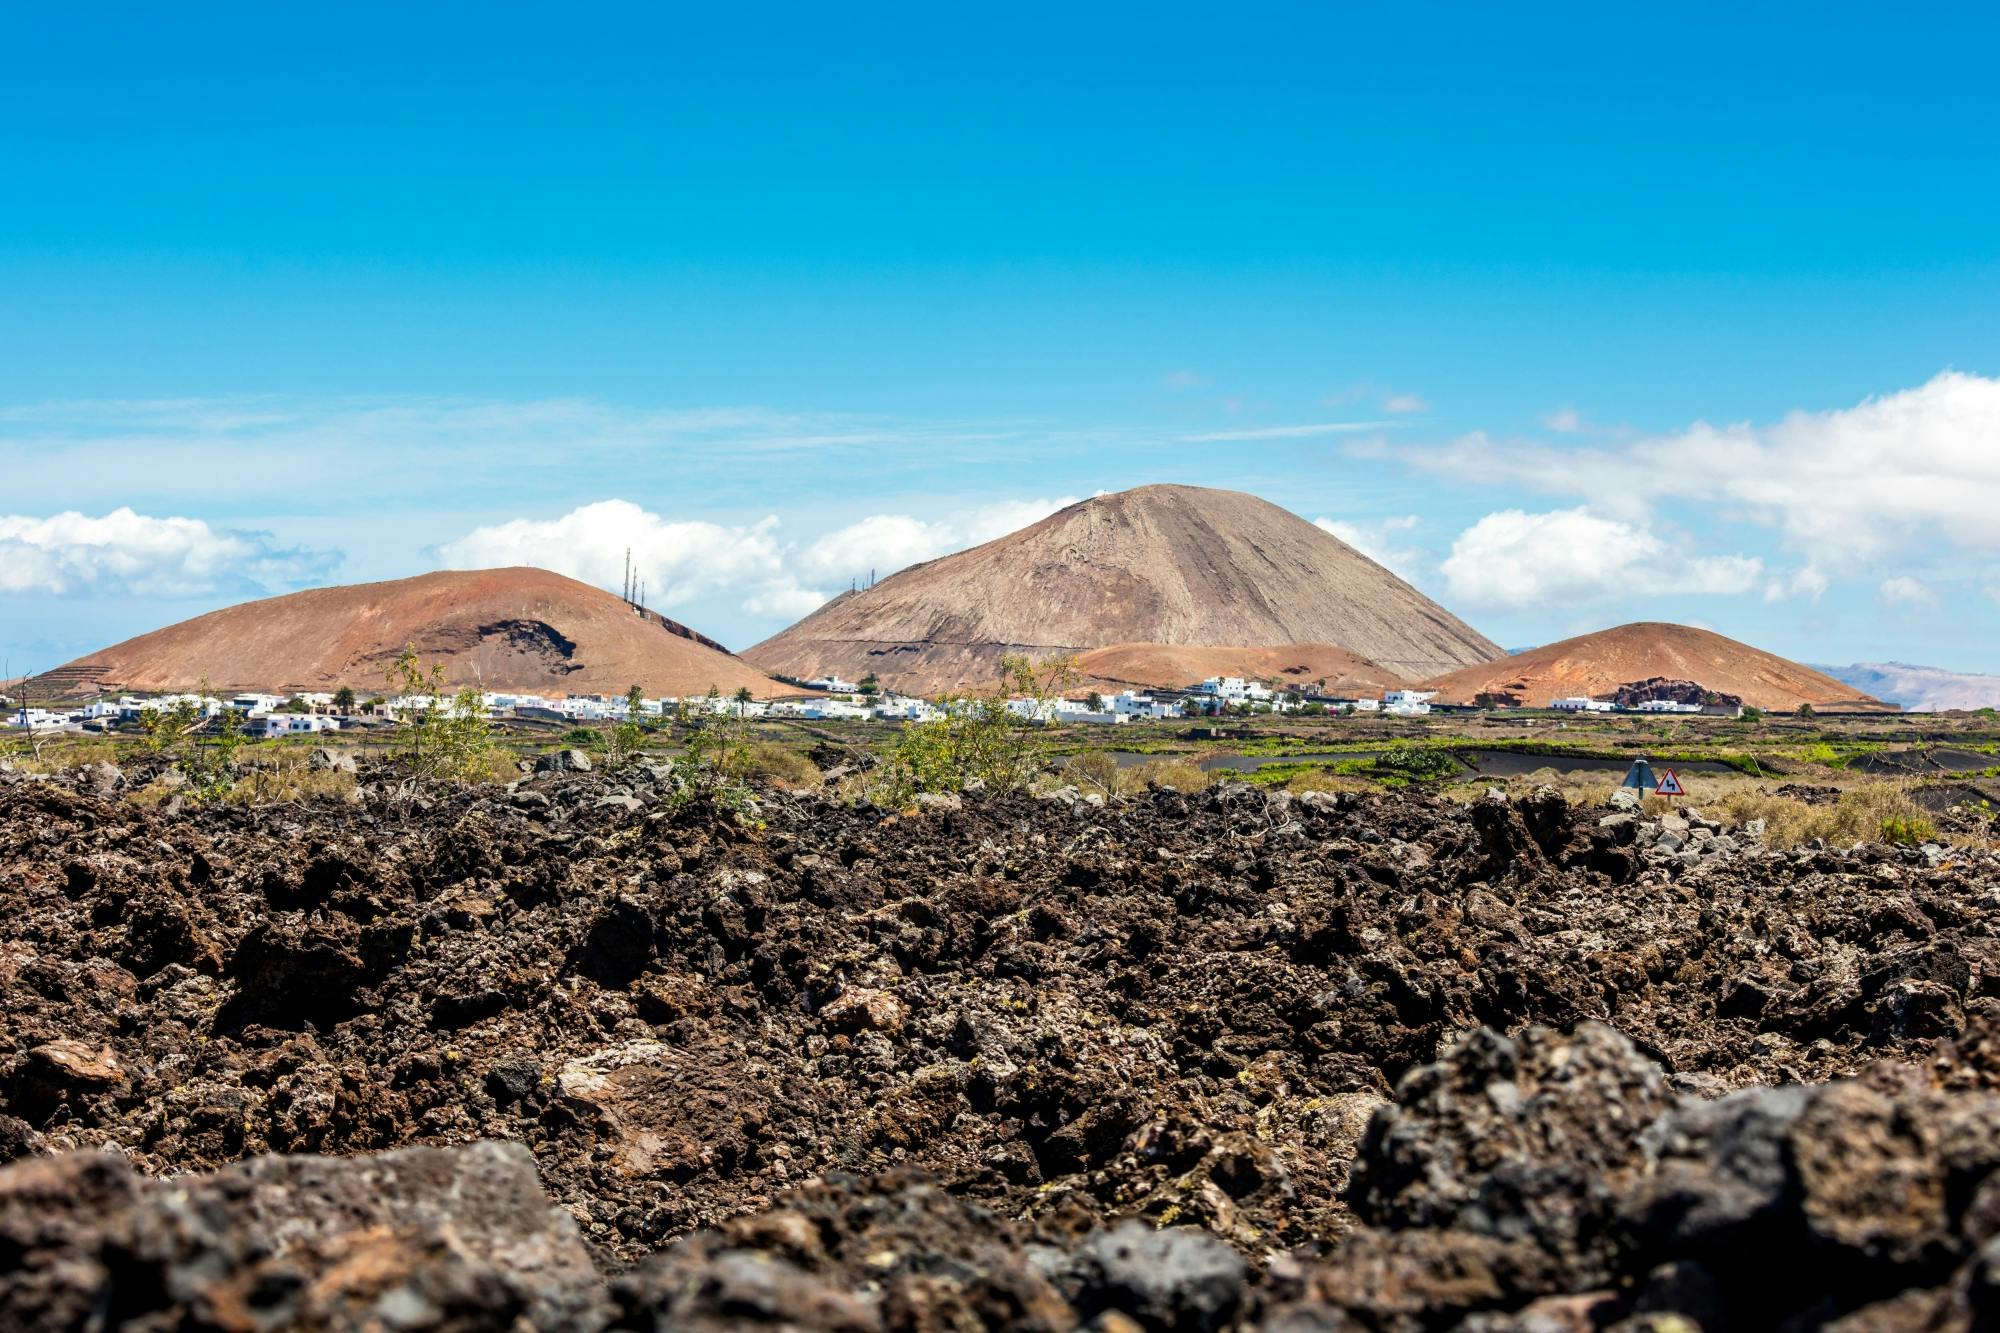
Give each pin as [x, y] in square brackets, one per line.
[1093, 771]
[1865, 812]
[780, 765]
[1321, 780]
[1178, 775]
[286, 775]
[61, 754]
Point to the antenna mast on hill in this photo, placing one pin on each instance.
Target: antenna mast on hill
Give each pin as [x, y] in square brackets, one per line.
[627, 593]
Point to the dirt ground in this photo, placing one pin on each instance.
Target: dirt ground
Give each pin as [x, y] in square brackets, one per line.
[556, 1055]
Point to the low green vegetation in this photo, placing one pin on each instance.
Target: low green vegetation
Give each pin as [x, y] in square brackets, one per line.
[1415, 763]
[1907, 830]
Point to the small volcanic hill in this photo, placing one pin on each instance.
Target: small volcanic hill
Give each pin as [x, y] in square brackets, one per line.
[1166, 666]
[505, 629]
[1179, 565]
[1597, 664]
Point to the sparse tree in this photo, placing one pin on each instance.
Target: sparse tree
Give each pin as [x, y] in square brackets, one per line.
[343, 700]
[441, 738]
[870, 686]
[1095, 703]
[742, 699]
[623, 738]
[979, 736]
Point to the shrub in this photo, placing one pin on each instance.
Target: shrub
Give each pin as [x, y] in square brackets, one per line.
[1907, 830]
[1420, 763]
[204, 750]
[712, 762]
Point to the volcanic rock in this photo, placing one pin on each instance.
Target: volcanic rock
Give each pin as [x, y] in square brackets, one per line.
[1752, 1088]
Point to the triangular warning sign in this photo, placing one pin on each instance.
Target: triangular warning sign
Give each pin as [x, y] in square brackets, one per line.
[1669, 785]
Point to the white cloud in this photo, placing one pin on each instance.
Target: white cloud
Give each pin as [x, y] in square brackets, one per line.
[677, 559]
[1379, 541]
[1514, 559]
[143, 556]
[1402, 404]
[1902, 590]
[1843, 488]
[684, 560]
[784, 602]
[885, 543]
[1564, 419]
[1286, 432]
[1806, 581]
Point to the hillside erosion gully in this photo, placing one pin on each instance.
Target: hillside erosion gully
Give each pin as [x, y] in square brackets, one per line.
[558, 1055]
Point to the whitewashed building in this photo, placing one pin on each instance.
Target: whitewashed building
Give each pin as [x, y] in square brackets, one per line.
[1583, 705]
[269, 726]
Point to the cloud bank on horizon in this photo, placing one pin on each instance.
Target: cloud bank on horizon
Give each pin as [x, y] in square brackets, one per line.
[1887, 503]
[682, 560]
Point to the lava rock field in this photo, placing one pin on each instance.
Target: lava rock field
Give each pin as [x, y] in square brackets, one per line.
[558, 1055]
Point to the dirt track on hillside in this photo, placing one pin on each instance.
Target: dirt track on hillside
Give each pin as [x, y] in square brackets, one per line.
[853, 1069]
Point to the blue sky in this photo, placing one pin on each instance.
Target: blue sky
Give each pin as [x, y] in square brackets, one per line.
[1573, 315]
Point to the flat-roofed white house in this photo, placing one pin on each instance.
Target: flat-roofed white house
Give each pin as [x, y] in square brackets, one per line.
[268, 726]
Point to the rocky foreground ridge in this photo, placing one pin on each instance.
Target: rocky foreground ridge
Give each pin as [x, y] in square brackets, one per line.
[559, 1056]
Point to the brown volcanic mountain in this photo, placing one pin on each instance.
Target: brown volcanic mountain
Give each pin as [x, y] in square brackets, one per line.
[505, 629]
[1166, 666]
[1597, 664]
[1178, 565]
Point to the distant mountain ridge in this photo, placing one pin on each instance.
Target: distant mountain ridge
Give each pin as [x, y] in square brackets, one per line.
[1162, 565]
[1921, 689]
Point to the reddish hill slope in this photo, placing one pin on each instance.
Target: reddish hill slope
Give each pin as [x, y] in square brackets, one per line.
[505, 629]
[1178, 565]
[1597, 664]
[1163, 666]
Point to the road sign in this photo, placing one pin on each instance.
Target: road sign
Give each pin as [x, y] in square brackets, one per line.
[1640, 776]
[1669, 785]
